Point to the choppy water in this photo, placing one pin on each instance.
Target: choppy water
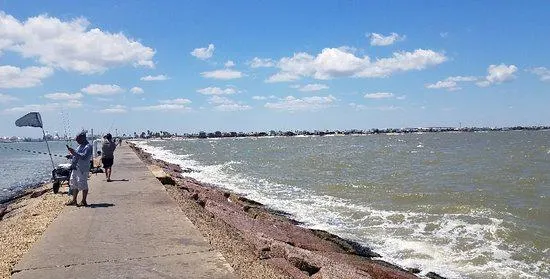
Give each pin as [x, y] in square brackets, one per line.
[19, 170]
[465, 205]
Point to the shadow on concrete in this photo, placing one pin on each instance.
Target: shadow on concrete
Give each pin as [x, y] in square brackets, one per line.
[100, 205]
[124, 180]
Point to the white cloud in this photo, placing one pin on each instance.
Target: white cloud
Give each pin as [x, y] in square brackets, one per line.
[163, 107]
[444, 34]
[381, 108]
[291, 103]
[261, 63]
[232, 107]
[178, 101]
[15, 77]
[102, 89]
[136, 90]
[154, 78]
[203, 52]
[220, 100]
[379, 95]
[312, 87]
[542, 72]
[381, 40]
[115, 109]
[217, 91]
[282, 77]
[226, 104]
[45, 107]
[64, 96]
[229, 64]
[4, 99]
[258, 98]
[498, 74]
[420, 59]
[71, 45]
[444, 84]
[224, 74]
[341, 62]
[451, 83]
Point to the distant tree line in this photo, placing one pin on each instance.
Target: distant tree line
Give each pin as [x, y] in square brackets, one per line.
[218, 134]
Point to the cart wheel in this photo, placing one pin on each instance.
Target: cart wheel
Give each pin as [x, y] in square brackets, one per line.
[56, 186]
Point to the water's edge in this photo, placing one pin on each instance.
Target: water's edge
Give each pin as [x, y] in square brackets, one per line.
[169, 168]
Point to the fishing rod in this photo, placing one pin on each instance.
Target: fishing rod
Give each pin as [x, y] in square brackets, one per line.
[33, 151]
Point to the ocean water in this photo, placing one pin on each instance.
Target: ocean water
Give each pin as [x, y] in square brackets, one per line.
[20, 170]
[464, 205]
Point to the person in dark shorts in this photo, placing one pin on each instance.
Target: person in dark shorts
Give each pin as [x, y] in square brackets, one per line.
[107, 154]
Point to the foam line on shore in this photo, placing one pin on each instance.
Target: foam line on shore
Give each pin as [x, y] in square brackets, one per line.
[434, 242]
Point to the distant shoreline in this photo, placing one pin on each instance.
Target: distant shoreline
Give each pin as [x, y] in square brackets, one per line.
[290, 133]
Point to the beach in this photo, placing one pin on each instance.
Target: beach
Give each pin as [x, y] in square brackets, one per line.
[22, 222]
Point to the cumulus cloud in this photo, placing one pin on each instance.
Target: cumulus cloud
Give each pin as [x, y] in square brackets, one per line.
[342, 62]
[261, 63]
[498, 74]
[137, 90]
[64, 96]
[282, 77]
[226, 104]
[217, 91]
[379, 95]
[178, 101]
[115, 109]
[45, 107]
[229, 64]
[311, 87]
[259, 98]
[291, 103]
[102, 89]
[71, 45]
[154, 78]
[224, 74]
[15, 77]
[4, 99]
[542, 72]
[381, 40]
[204, 53]
[451, 83]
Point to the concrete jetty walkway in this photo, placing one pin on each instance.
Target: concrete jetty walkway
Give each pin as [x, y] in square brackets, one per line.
[132, 229]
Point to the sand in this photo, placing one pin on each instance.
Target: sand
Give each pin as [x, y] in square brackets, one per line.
[25, 219]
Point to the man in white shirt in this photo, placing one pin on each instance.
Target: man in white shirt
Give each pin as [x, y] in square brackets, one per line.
[80, 168]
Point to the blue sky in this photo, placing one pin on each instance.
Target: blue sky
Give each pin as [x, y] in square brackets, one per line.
[187, 66]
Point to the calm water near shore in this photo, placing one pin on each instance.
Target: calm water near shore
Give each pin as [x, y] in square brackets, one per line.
[465, 205]
[19, 169]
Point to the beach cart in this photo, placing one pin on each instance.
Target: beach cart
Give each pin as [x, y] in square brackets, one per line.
[60, 174]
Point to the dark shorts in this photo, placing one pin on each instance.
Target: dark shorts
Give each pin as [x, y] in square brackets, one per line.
[107, 162]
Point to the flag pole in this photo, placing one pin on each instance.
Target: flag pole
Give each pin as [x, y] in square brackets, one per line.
[48, 145]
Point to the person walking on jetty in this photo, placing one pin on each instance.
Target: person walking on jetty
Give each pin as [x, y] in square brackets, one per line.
[107, 155]
[80, 168]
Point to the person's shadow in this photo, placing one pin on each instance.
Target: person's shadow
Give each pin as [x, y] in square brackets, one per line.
[123, 180]
[100, 205]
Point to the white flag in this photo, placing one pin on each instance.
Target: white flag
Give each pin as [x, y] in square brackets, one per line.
[31, 119]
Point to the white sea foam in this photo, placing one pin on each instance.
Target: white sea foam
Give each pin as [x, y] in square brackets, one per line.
[453, 245]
